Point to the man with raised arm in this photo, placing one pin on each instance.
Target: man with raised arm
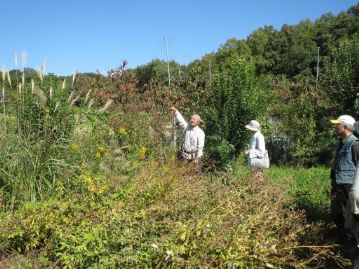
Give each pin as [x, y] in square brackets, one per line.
[193, 145]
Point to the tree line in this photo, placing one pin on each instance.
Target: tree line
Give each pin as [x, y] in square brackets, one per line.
[292, 80]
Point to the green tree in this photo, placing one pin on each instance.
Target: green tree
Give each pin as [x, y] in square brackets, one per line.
[341, 76]
[300, 132]
[259, 42]
[296, 49]
[238, 96]
[155, 70]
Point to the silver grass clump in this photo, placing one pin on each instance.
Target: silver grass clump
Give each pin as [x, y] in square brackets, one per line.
[106, 106]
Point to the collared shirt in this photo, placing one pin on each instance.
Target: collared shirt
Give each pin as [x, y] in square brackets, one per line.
[257, 148]
[194, 137]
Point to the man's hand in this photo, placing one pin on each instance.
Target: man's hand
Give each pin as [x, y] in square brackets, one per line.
[173, 108]
[246, 152]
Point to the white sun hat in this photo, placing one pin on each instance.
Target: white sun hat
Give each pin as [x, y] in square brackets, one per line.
[253, 125]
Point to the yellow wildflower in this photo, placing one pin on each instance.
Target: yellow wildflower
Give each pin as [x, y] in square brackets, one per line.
[101, 149]
[91, 187]
[102, 189]
[74, 146]
[86, 177]
[121, 131]
[142, 152]
[89, 182]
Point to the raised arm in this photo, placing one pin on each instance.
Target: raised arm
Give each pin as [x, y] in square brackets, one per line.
[181, 121]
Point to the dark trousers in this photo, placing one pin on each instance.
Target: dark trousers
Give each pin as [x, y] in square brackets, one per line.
[339, 201]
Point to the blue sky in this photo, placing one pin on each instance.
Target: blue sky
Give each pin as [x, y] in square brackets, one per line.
[86, 35]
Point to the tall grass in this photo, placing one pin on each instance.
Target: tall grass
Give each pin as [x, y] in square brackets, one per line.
[3, 73]
[36, 132]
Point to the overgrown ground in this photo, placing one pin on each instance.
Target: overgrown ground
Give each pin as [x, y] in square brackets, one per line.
[81, 187]
[309, 188]
[156, 214]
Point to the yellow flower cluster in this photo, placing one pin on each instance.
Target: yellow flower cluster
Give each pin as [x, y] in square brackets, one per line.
[92, 184]
[74, 146]
[100, 151]
[89, 182]
[142, 152]
[122, 131]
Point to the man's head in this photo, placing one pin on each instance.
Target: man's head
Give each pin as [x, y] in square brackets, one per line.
[344, 125]
[195, 120]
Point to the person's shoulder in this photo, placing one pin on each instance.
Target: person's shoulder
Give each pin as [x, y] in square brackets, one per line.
[200, 130]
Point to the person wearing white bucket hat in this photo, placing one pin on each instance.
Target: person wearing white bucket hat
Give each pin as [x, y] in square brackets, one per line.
[346, 157]
[256, 152]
